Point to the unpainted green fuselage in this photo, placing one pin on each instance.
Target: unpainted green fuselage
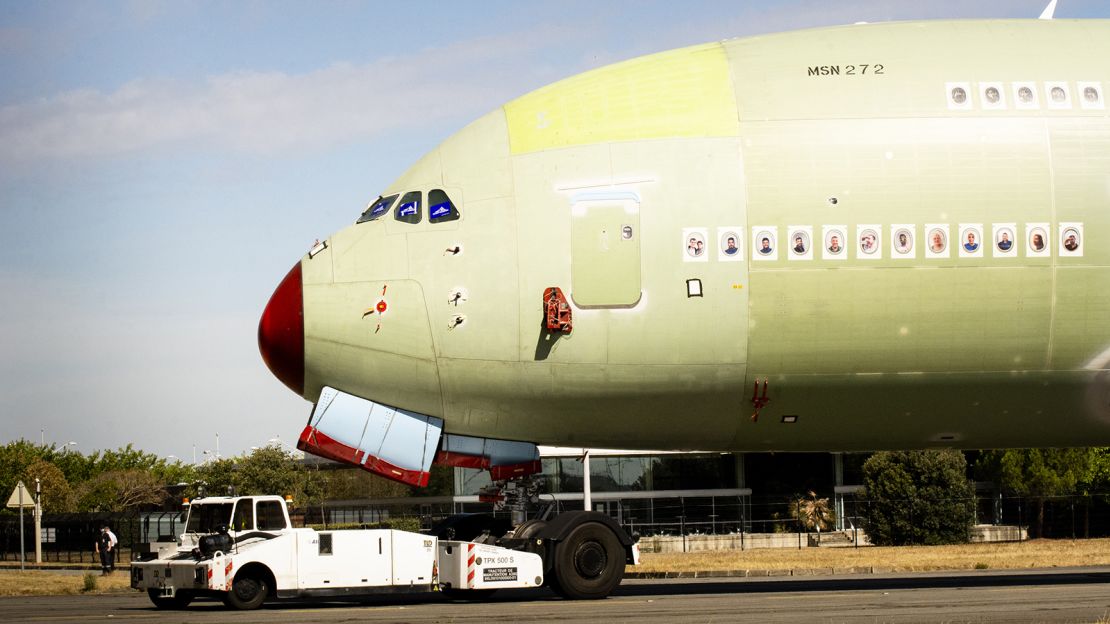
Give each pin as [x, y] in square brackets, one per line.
[595, 185]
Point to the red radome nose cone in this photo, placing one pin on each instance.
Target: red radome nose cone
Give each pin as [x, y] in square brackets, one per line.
[281, 332]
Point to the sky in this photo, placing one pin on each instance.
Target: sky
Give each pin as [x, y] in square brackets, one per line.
[163, 164]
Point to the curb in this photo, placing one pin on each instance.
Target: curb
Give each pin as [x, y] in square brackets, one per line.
[696, 574]
[31, 567]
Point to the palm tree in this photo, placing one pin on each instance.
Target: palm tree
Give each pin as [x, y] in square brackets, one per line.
[814, 513]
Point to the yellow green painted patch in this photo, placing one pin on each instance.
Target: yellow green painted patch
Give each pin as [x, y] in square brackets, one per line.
[681, 93]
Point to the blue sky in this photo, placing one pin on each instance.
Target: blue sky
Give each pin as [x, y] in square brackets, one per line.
[163, 165]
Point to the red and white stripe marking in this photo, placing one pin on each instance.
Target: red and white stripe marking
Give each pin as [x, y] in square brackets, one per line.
[470, 567]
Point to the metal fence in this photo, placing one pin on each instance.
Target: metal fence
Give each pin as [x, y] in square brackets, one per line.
[1065, 516]
[70, 538]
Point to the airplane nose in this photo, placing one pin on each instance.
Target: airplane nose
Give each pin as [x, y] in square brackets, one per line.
[281, 332]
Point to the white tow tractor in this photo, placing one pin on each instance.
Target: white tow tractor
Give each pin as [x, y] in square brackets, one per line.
[245, 551]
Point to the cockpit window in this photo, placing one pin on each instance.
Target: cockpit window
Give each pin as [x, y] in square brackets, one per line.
[441, 207]
[409, 208]
[377, 209]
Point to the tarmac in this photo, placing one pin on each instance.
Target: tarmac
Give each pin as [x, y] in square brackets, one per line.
[1045, 595]
[760, 573]
[687, 574]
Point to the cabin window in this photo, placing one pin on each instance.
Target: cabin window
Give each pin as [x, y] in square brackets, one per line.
[243, 520]
[440, 207]
[1090, 95]
[270, 516]
[408, 210]
[379, 207]
[959, 95]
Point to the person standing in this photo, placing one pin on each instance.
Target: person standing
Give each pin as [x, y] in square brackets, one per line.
[106, 547]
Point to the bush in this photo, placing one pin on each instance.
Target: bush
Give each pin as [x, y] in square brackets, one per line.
[90, 583]
[918, 498]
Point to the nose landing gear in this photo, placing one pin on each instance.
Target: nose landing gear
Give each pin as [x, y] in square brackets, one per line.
[584, 552]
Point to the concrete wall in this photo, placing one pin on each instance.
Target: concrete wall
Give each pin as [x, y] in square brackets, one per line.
[998, 533]
[735, 541]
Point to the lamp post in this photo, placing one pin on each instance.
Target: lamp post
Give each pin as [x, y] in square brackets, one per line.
[38, 521]
[587, 501]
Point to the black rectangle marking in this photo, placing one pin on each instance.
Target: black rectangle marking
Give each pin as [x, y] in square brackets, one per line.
[493, 575]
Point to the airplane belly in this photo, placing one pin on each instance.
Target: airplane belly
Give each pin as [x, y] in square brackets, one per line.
[619, 406]
[879, 411]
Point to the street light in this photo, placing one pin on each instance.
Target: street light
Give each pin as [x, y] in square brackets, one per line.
[38, 520]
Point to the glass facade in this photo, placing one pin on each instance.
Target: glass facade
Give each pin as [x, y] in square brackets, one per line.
[623, 473]
[670, 494]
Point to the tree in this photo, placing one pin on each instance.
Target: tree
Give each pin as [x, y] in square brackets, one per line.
[272, 470]
[918, 497]
[76, 466]
[121, 490]
[57, 495]
[1039, 473]
[267, 470]
[215, 476]
[15, 457]
[1097, 478]
[123, 458]
[1095, 483]
[814, 513]
[348, 483]
[175, 473]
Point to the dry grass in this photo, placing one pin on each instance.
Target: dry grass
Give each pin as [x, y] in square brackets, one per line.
[1031, 554]
[16, 583]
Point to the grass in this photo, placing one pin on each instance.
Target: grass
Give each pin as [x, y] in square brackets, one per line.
[38, 583]
[1039, 553]
[994, 556]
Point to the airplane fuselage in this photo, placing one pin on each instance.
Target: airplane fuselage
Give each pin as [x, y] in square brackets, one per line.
[964, 302]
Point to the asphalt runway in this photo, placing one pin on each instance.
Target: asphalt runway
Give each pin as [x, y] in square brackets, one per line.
[1062, 595]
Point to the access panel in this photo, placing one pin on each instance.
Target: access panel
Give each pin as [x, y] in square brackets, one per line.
[605, 251]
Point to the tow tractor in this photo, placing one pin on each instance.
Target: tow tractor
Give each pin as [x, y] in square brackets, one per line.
[245, 551]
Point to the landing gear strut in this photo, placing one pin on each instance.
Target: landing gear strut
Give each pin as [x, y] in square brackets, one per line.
[584, 552]
[517, 494]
